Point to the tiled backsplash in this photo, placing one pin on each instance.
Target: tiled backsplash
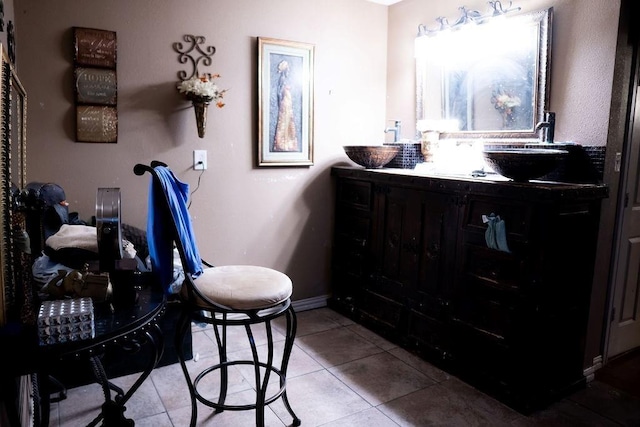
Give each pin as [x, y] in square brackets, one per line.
[409, 156]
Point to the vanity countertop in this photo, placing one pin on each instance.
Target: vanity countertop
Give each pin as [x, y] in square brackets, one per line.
[492, 184]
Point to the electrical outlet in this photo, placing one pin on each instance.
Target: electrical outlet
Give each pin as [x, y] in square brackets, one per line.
[199, 160]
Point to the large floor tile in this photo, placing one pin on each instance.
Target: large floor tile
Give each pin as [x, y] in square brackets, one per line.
[440, 405]
[172, 386]
[335, 316]
[81, 406]
[300, 363]
[202, 344]
[144, 402]
[381, 378]
[208, 418]
[371, 417]
[312, 321]
[336, 346]
[159, 420]
[564, 414]
[372, 337]
[421, 365]
[609, 402]
[319, 398]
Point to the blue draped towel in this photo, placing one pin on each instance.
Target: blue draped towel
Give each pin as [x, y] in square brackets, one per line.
[159, 238]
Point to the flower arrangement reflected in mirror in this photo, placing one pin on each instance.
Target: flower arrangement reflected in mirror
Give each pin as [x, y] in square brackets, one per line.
[505, 102]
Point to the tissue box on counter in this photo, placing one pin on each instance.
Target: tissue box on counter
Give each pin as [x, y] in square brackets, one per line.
[65, 320]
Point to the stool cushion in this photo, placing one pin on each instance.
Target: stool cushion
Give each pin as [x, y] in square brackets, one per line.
[243, 287]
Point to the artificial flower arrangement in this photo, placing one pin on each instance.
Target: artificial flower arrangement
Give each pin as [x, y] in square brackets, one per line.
[505, 102]
[203, 89]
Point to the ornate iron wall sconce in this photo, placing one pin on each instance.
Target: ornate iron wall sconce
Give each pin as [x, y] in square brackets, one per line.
[199, 89]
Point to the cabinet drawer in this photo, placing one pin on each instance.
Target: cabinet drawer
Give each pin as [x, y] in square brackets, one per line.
[496, 269]
[389, 288]
[435, 307]
[491, 317]
[517, 217]
[357, 194]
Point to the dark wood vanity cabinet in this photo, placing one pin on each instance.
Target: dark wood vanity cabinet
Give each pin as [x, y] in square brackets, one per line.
[411, 262]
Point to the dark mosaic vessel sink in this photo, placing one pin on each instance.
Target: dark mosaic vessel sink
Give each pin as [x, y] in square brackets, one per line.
[371, 156]
[523, 164]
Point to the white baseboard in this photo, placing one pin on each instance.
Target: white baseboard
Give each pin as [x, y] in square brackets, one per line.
[590, 372]
[310, 303]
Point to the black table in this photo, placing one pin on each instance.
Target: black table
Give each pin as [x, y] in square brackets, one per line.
[129, 326]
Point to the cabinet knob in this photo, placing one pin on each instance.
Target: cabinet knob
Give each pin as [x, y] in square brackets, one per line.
[433, 251]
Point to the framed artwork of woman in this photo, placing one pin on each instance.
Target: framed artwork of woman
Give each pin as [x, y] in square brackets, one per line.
[285, 98]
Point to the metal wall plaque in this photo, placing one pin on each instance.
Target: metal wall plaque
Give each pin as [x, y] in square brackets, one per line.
[94, 48]
[96, 123]
[96, 86]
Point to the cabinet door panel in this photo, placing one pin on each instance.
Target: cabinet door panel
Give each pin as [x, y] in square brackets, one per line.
[383, 314]
[353, 228]
[427, 333]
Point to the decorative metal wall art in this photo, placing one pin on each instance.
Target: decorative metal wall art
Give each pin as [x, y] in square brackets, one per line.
[186, 55]
[95, 85]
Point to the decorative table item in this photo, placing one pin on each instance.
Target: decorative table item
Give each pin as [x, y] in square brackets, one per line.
[66, 320]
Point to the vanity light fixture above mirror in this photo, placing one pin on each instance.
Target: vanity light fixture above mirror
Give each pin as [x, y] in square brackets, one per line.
[469, 16]
[489, 72]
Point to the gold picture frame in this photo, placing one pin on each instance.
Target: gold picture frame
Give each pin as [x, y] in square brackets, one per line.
[285, 102]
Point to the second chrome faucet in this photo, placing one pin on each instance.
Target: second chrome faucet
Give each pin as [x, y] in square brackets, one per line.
[547, 128]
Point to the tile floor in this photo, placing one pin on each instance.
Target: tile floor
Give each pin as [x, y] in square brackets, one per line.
[341, 374]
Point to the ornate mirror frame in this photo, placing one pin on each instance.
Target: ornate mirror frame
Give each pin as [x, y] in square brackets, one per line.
[13, 149]
[543, 22]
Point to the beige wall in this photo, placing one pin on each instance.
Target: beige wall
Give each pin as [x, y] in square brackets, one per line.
[278, 217]
[583, 53]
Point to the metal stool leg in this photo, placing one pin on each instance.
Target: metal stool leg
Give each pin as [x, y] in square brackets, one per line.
[222, 352]
[292, 324]
[181, 330]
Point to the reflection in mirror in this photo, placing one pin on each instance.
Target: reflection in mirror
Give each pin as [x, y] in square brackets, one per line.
[490, 79]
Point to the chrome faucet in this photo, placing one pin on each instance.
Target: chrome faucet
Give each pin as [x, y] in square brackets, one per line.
[395, 130]
[547, 127]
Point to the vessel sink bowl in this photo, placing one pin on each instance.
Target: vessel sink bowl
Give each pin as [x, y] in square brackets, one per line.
[523, 164]
[371, 156]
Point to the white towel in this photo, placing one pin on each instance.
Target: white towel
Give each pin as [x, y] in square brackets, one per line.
[74, 236]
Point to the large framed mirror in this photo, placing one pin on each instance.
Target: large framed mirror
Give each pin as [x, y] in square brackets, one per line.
[485, 80]
[18, 136]
[13, 148]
